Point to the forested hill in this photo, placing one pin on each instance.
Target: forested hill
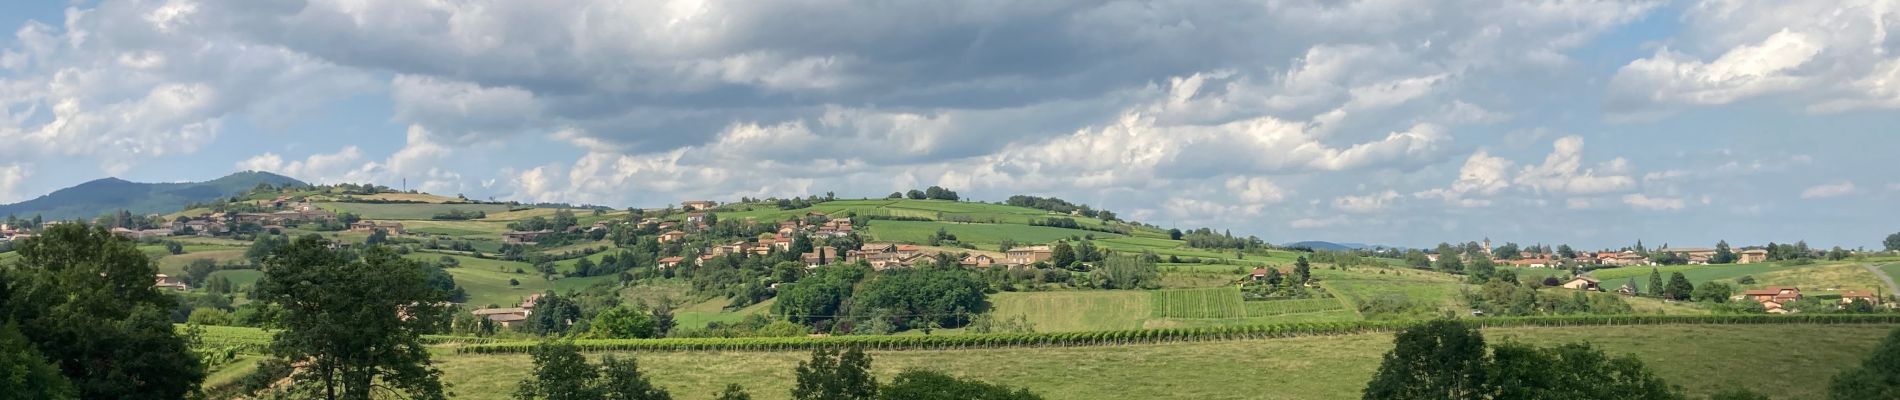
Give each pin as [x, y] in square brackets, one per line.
[112, 194]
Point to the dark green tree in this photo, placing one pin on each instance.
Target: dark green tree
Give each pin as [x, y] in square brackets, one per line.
[734, 392]
[1571, 372]
[1877, 378]
[621, 379]
[355, 323]
[560, 373]
[1302, 270]
[1063, 256]
[1679, 287]
[1893, 242]
[25, 374]
[831, 375]
[1441, 359]
[1655, 288]
[85, 299]
[930, 385]
[1723, 254]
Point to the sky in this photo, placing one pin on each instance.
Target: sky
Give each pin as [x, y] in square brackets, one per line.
[1399, 122]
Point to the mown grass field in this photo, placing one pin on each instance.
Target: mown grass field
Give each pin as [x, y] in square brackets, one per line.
[1697, 274]
[175, 264]
[1701, 358]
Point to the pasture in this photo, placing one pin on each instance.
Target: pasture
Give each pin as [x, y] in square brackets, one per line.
[1697, 274]
[486, 281]
[1697, 357]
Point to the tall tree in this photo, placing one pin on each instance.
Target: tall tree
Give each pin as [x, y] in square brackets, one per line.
[25, 373]
[1302, 270]
[1723, 254]
[1679, 287]
[1062, 255]
[621, 379]
[356, 324]
[1655, 288]
[1441, 359]
[831, 375]
[1893, 242]
[85, 298]
[560, 373]
[1571, 372]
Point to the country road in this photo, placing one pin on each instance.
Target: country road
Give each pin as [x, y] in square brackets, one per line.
[1891, 287]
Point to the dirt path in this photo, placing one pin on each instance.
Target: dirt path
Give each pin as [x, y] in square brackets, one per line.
[1891, 287]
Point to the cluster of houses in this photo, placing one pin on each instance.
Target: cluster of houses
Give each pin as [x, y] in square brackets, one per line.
[169, 282]
[10, 233]
[1774, 299]
[509, 316]
[1625, 258]
[882, 256]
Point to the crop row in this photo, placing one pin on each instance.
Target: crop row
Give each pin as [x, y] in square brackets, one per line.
[1109, 338]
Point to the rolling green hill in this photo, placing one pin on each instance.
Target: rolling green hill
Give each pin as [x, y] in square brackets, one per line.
[112, 194]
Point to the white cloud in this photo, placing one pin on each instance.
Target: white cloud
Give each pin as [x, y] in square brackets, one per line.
[11, 176]
[1823, 191]
[1645, 202]
[1743, 72]
[1256, 190]
[1562, 172]
[419, 162]
[462, 109]
[1824, 56]
[1482, 175]
[1315, 223]
[1365, 204]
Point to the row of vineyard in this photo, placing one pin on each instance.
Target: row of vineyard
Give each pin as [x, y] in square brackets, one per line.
[1208, 303]
[1109, 338]
[255, 341]
[1271, 308]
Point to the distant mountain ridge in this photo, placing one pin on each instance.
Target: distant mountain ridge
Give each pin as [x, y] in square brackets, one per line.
[106, 195]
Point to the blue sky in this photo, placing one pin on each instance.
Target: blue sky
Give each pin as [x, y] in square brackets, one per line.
[1594, 123]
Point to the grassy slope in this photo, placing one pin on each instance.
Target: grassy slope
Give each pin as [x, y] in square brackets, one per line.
[1825, 275]
[985, 236]
[487, 280]
[408, 211]
[1703, 359]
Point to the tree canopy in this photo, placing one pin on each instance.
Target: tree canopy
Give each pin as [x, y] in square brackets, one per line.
[356, 322]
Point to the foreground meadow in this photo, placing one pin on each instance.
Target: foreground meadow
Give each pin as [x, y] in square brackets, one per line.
[1701, 358]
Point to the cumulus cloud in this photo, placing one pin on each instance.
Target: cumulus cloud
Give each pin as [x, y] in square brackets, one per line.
[419, 161]
[1821, 56]
[1646, 202]
[1370, 203]
[1481, 176]
[11, 176]
[1562, 172]
[1742, 72]
[125, 82]
[1823, 191]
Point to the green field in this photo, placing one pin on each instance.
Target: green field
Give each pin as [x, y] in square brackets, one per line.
[486, 281]
[1702, 358]
[1697, 274]
[175, 265]
[408, 211]
[239, 277]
